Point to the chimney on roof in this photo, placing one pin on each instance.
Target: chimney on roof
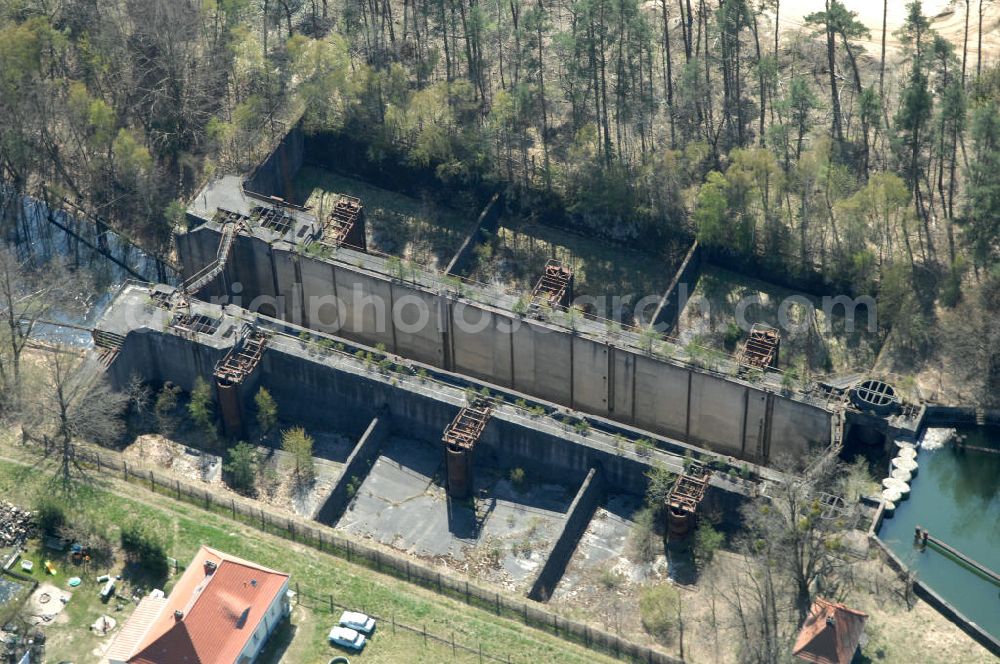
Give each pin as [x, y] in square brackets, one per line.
[830, 621]
[210, 566]
[178, 614]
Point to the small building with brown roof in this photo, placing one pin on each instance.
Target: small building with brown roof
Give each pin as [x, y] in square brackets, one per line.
[221, 611]
[830, 634]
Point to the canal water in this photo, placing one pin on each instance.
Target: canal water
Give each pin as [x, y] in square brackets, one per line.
[96, 256]
[956, 498]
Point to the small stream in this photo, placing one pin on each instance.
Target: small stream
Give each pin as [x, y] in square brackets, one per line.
[103, 260]
[956, 498]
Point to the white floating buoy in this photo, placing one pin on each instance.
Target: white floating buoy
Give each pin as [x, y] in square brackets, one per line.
[901, 474]
[906, 464]
[889, 506]
[891, 496]
[898, 485]
[907, 452]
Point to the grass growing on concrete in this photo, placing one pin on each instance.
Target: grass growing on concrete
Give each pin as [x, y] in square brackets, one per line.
[806, 345]
[600, 269]
[185, 527]
[397, 224]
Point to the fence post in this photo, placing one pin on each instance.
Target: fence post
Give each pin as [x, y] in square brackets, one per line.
[232, 502]
[98, 456]
[497, 597]
[298, 594]
[393, 623]
[331, 603]
[291, 529]
[480, 653]
[425, 634]
[152, 482]
[262, 520]
[178, 489]
[466, 591]
[453, 653]
[125, 468]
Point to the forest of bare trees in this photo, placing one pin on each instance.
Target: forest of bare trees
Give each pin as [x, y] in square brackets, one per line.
[789, 145]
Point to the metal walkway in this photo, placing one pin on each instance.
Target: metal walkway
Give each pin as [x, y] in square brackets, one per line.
[204, 276]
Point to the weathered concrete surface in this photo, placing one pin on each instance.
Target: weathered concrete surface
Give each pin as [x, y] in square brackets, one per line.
[587, 499]
[582, 368]
[355, 469]
[326, 389]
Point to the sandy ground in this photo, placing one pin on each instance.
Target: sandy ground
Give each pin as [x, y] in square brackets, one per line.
[950, 23]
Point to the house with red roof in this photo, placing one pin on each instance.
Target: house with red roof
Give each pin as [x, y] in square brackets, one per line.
[221, 611]
[830, 634]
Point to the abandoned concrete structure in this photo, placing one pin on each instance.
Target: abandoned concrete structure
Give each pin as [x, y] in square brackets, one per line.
[292, 299]
[284, 269]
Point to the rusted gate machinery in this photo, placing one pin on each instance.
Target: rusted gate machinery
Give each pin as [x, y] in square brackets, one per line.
[345, 225]
[232, 372]
[760, 351]
[108, 344]
[460, 438]
[554, 287]
[684, 498]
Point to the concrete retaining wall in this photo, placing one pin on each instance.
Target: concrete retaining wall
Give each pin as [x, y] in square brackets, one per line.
[273, 177]
[355, 469]
[581, 511]
[533, 357]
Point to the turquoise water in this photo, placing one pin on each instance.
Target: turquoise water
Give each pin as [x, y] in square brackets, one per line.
[955, 497]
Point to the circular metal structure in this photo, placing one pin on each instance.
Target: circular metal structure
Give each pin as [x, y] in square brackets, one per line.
[875, 395]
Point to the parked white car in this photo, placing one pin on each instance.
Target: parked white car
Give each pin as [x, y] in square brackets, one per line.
[346, 637]
[358, 621]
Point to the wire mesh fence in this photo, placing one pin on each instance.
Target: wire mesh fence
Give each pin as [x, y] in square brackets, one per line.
[326, 539]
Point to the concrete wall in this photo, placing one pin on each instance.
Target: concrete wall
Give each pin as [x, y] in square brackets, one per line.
[581, 511]
[529, 356]
[274, 176]
[358, 463]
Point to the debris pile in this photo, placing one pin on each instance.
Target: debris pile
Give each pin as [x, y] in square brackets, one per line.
[16, 524]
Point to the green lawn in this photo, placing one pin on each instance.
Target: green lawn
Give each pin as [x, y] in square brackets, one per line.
[185, 527]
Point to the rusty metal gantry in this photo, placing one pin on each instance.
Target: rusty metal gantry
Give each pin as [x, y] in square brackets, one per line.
[554, 287]
[760, 350]
[460, 438]
[231, 372]
[684, 498]
[345, 224]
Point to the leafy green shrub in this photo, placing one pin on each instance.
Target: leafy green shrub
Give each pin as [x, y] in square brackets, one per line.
[517, 476]
[707, 540]
[644, 447]
[241, 465]
[644, 541]
[732, 336]
[267, 410]
[201, 407]
[658, 608]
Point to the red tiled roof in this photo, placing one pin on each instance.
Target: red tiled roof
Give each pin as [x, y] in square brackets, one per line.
[219, 612]
[830, 633]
